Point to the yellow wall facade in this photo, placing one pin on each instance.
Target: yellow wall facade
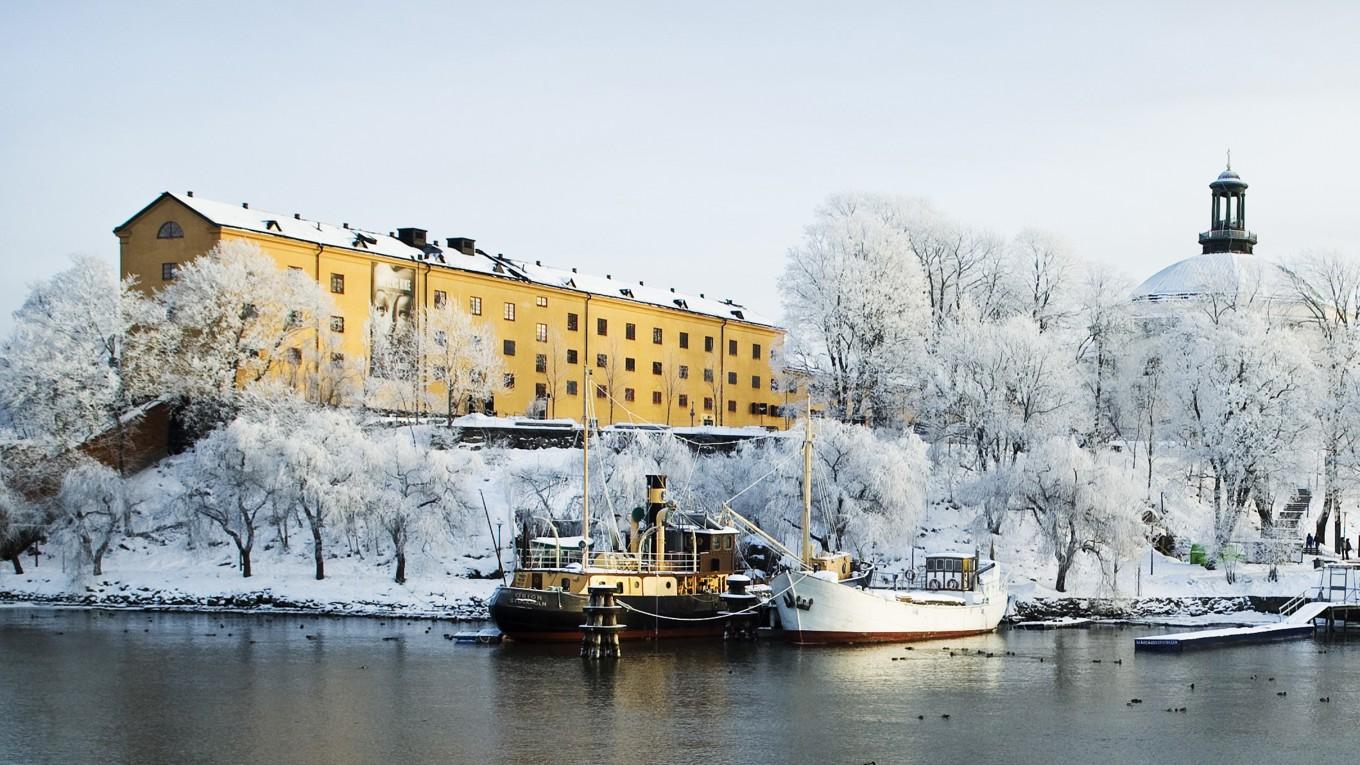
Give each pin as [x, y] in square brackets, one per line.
[741, 375]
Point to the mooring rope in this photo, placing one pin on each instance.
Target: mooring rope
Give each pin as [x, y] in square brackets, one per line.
[713, 618]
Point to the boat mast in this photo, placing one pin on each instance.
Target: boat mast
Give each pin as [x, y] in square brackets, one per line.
[807, 485]
[585, 468]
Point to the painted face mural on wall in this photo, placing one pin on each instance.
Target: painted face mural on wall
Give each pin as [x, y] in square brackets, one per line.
[393, 295]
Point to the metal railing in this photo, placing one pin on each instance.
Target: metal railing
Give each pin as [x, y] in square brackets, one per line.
[677, 563]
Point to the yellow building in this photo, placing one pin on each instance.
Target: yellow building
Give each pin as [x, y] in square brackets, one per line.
[667, 357]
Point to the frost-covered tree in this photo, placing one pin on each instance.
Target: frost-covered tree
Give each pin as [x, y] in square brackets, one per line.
[395, 380]
[1327, 287]
[237, 482]
[461, 355]
[324, 459]
[414, 492]
[856, 305]
[1044, 266]
[1079, 503]
[230, 319]
[997, 388]
[1242, 391]
[91, 508]
[1100, 322]
[22, 522]
[960, 265]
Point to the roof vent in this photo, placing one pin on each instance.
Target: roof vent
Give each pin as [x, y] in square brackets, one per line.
[640, 284]
[538, 262]
[245, 205]
[573, 269]
[462, 244]
[672, 289]
[412, 237]
[702, 295]
[609, 276]
[297, 216]
[190, 193]
[346, 225]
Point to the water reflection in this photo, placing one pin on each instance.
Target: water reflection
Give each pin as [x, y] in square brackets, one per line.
[81, 686]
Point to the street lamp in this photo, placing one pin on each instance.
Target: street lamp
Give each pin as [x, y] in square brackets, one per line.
[691, 415]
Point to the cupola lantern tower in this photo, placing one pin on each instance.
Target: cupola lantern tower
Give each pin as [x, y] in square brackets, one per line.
[1228, 215]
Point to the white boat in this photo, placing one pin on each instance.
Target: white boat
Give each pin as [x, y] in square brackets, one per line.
[962, 595]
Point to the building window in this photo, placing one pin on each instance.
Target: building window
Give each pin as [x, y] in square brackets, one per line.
[168, 271]
[684, 372]
[508, 347]
[475, 305]
[656, 335]
[338, 284]
[656, 397]
[600, 391]
[629, 365]
[571, 387]
[509, 311]
[441, 298]
[630, 331]
[755, 381]
[683, 400]
[774, 383]
[601, 360]
[540, 390]
[508, 381]
[571, 356]
[338, 324]
[755, 351]
[602, 326]
[541, 302]
[708, 404]
[731, 347]
[337, 360]
[732, 406]
[170, 230]
[573, 322]
[541, 362]
[684, 339]
[731, 378]
[541, 332]
[656, 367]
[629, 394]
[708, 375]
[708, 344]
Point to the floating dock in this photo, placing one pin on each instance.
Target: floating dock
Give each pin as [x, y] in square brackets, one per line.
[1299, 624]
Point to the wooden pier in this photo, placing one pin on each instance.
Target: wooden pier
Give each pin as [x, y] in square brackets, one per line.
[1299, 618]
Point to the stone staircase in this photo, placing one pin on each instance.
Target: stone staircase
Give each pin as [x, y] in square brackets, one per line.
[1288, 520]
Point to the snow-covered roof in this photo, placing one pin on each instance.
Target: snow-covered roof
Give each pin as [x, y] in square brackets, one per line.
[638, 292]
[1216, 273]
[363, 240]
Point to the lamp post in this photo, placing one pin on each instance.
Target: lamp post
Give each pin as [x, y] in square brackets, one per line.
[691, 415]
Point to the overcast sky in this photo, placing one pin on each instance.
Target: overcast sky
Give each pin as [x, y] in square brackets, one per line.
[685, 144]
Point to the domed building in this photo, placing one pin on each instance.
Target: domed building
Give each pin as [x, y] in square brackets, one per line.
[1226, 272]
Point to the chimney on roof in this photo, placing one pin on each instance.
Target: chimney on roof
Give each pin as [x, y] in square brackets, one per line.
[297, 216]
[412, 237]
[640, 284]
[538, 262]
[245, 205]
[702, 295]
[346, 225]
[573, 269]
[609, 276]
[672, 289]
[190, 193]
[462, 244]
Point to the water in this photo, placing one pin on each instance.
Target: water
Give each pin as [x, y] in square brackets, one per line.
[79, 686]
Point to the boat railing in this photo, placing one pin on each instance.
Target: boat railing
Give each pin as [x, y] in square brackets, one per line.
[675, 563]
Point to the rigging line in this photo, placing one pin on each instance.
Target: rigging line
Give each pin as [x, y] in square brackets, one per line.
[746, 610]
[771, 472]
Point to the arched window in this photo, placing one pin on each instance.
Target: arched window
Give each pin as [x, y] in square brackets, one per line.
[170, 230]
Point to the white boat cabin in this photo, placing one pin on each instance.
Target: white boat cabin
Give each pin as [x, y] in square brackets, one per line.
[951, 571]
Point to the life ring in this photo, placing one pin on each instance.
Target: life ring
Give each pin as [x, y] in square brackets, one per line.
[952, 584]
[934, 584]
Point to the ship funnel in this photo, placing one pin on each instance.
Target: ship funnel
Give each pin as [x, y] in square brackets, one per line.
[656, 497]
[634, 521]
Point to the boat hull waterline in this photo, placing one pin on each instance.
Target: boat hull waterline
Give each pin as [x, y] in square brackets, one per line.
[813, 610]
[530, 615]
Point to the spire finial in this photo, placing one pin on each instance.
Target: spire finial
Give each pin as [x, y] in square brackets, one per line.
[1229, 159]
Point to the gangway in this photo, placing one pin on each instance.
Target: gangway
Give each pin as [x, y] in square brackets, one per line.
[1336, 597]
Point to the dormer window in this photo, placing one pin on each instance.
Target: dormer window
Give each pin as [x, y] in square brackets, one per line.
[170, 230]
[680, 303]
[738, 314]
[362, 242]
[626, 292]
[272, 225]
